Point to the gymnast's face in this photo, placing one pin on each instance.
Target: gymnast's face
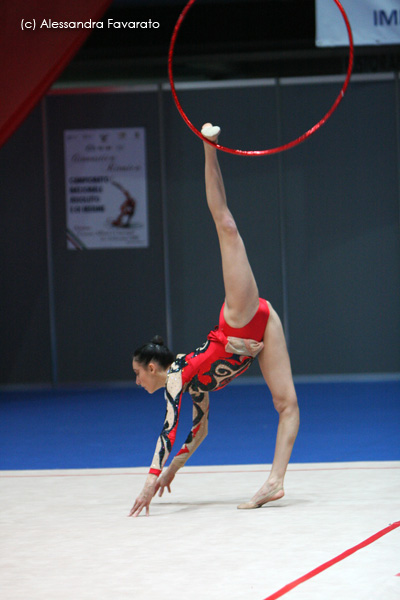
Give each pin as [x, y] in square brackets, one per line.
[146, 376]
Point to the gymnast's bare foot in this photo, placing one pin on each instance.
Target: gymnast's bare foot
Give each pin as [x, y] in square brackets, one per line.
[211, 132]
[267, 493]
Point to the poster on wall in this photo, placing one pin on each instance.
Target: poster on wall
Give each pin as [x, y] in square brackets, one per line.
[373, 22]
[106, 188]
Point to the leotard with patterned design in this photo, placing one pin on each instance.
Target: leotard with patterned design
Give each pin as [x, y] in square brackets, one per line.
[227, 353]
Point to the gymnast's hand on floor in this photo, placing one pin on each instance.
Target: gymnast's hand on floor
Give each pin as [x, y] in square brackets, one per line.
[145, 497]
[164, 481]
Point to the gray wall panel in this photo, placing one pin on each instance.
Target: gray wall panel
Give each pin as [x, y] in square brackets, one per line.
[108, 302]
[343, 232]
[24, 315]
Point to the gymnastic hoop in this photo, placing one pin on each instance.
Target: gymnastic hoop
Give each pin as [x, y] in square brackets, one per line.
[287, 146]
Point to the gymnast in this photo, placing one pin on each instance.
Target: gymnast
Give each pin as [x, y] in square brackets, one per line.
[248, 328]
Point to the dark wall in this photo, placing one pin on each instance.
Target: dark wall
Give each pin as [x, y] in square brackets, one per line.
[24, 322]
[320, 223]
[341, 199]
[106, 301]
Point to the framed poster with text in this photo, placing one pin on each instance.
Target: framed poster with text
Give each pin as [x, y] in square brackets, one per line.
[106, 188]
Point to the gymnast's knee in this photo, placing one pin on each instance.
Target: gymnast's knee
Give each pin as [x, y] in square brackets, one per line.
[226, 226]
[285, 403]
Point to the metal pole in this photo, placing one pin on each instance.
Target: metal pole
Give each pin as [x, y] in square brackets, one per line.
[282, 227]
[163, 176]
[50, 261]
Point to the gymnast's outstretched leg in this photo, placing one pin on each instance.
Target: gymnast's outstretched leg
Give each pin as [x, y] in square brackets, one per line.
[275, 366]
[241, 304]
[241, 292]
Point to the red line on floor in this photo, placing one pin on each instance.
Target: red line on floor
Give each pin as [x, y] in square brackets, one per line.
[332, 562]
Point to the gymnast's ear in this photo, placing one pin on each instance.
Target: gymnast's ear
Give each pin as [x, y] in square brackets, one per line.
[152, 367]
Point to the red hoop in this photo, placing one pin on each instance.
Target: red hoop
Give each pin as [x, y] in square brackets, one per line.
[270, 150]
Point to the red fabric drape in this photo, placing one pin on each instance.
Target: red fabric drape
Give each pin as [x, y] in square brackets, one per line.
[32, 59]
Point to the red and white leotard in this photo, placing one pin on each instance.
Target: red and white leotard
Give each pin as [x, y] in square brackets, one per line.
[227, 353]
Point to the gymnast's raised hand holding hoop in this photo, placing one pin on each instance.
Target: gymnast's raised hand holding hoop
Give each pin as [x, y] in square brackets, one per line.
[248, 328]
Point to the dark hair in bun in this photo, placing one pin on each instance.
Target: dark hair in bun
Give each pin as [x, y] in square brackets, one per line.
[156, 351]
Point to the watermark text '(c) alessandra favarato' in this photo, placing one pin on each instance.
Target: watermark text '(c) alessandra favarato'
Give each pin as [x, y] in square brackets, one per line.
[89, 24]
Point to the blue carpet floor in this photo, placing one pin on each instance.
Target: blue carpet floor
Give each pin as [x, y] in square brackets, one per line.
[110, 428]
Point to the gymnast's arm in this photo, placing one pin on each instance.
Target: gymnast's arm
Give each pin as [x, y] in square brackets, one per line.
[173, 396]
[196, 436]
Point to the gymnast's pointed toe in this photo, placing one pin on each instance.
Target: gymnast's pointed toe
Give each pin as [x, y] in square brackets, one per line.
[211, 132]
[276, 493]
[248, 505]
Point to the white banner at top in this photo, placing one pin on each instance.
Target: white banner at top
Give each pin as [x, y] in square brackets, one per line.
[372, 22]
